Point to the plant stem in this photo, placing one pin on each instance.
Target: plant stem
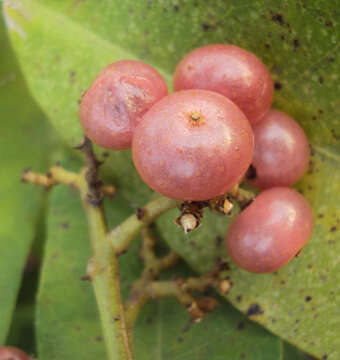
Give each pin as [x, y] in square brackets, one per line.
[104, 272]
[121, 237]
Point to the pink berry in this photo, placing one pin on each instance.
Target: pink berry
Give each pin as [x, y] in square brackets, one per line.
[117, 100]
[231, 71]
[193, 145]
[270, 231]
[12, 353]
[281, 152]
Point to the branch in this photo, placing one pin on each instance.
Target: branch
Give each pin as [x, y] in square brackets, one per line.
[121, 237]
[103, 267]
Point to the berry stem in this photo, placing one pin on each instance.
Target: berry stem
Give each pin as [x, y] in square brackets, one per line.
[121, 237]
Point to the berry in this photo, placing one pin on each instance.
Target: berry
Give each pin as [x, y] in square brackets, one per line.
[270, 231]
[231, 71]
[117, 100]
[193, 145]
[281, 152]
[12, 353]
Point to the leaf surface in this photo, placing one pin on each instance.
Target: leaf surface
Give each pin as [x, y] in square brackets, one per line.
[24, 138]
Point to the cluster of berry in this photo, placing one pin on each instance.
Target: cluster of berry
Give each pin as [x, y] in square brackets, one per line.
[199, 142]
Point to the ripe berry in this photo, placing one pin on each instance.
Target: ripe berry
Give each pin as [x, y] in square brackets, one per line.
[116, 101]
[270, 231]
[281, 151]
[231, 71]
[193, 145]
[12, 353]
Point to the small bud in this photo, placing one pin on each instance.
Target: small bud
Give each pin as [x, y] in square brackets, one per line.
[225, 286]
[227, 207]
[188, 222]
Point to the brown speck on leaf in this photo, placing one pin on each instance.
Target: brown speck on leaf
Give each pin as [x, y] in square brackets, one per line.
[240, 325]
[296, 44]
[308, 298]
[333, 228]
[140, 213]
[85, 278]
[278, 18]
[254, 309]
[277, 85]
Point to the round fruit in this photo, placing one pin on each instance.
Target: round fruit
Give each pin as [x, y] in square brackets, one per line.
[231, 71]
[281, 152]
[193, 145]
[12, 353]
[116, 101]
[270, 231]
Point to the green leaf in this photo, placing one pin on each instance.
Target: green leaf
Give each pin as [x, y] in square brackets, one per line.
[67, 315]
[72, 40]
[24, 137]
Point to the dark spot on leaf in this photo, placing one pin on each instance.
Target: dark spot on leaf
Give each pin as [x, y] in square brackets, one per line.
[267, 46]
[278, 18]
[99, 339]
[320, 79]
[277, 85]
[180, 339]
[239, 298]
[308, 298]
[219, 240]
[186, 328]
[309, 266]
[331, 59]
[77, 328]
[296, 44]
[324, 357]
[320, 216]
[320, 111]
[254, 309]
[243, 356]
[314, 117]
[273, 320]
[105, 154]
[149, 320]
[333, 228]
[85, 278]
[176, 8]
[328, 23]
[65, 225]
[57, 58]
[283, 37]
[240, 325]
[205, 26]
[140, 213]
[282, 282]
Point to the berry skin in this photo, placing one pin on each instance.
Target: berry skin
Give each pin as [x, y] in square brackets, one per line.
[12, 353]
[193, 145]
[281, 151]
[117, 100]
[231, 71]
[270, 231]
